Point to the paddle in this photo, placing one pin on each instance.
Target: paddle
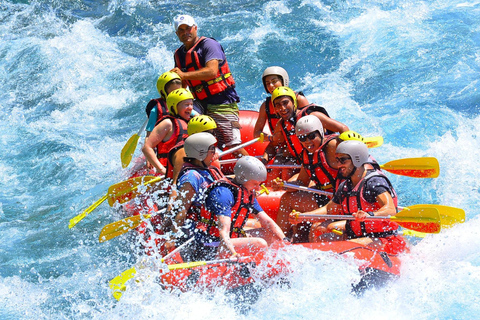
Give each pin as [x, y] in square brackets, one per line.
[426, 167]
[121, 192]
[240, 146]
[418, 218]
[86, 212]
[118, 284]
[129, 147]
[449, 216]
[120, 227]
[127, 190]
[373, 142]
[188, 265]
[409, 233]
[117, 228]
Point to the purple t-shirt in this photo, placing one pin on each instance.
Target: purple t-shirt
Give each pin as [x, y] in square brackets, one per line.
[210, 49]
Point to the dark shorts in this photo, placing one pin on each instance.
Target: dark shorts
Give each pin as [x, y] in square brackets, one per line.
[203, 248]
[321, 200]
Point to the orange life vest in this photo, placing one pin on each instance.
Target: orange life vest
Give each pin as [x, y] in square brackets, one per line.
[244, 200]
[203, 89]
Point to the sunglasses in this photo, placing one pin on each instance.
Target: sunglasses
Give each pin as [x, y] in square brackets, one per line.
[342, 160]
[211, 148]
[309, 136]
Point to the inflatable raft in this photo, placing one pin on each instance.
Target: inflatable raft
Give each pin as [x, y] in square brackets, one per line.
[376, 267]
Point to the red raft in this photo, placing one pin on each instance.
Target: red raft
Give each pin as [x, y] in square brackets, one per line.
[266, 267]
[375, 267]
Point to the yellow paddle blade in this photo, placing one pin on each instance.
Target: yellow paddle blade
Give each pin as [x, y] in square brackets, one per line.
[426, 167]
[120, 227]
[117, 284]
[128, 150]
[127, 190]
[87, 211]
[419, 218]
[373, 142]
[449, 216]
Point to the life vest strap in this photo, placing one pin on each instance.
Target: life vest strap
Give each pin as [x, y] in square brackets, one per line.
[214, 224]
[199, 88]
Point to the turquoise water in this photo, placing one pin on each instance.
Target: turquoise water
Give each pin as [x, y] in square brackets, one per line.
[75, 77]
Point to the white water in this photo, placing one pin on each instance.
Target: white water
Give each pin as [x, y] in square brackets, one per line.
[75, 78]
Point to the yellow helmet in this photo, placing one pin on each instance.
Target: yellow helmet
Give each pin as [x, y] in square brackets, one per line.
[162, 81]
[175, 97]
[285, 91]
[201, 123]
[351, 135]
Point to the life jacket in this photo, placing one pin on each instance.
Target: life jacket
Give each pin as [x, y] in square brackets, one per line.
[272, 116]
[161, 105]
[171, 153]
[315, 108]
[179, 134]
[244, 200]
[213, 175]
[354, 200]
[203, 89]
[318, 169]
[288, 129]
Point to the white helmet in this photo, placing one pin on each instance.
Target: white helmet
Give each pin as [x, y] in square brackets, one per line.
[249, 168]
[196, 146]
[279, 71]
[308, 124]
[357, 150]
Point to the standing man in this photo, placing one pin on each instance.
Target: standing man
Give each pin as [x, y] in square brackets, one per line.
[202, 64]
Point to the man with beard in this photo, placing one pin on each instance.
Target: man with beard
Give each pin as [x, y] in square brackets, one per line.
[364, 191]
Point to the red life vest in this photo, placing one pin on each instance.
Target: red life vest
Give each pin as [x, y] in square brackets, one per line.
[179, 134]
[318, 169]
[272, 116]
[354, 200]
[288, 129]
[203, 89]
[161, 105]
[193, 212]
[244, 200]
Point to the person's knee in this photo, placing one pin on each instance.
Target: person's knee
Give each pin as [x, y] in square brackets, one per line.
[260, 243]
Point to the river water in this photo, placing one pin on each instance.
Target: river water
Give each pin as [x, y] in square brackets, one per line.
[75, 77]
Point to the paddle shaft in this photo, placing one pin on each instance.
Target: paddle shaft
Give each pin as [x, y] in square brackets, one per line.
[144, 125]
[168, 256]
[307, 189]
[194, 264]
[240, 146]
